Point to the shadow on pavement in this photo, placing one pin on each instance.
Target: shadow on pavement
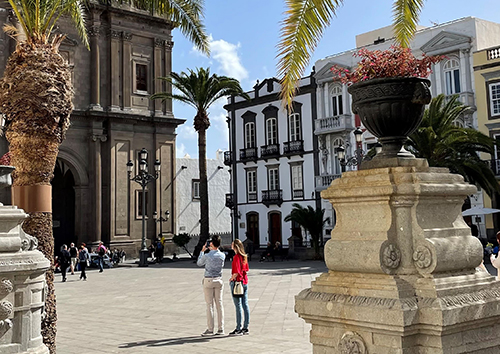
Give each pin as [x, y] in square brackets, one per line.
[172, 341]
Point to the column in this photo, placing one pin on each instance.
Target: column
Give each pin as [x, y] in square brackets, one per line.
[115, 70]
[95, 78]
[97, 138]
[169, 44]
[127, 70]
[319, 94]
[159, 48]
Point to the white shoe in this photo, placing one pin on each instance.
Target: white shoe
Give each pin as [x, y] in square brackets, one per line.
[207, 333]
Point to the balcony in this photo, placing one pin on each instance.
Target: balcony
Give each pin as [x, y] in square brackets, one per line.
[229, 200]
[248, 154]
[271, 197]
[324, 181]
[493, 53]
[270, 151]
[333, 124]
[298, 194]
[467, 98]
[228, 158]
[293, 147]
[252, 196]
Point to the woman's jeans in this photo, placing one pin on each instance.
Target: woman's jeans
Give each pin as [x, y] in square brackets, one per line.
[241, 304]
[83, 265]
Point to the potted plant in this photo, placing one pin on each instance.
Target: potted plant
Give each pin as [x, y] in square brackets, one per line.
[389, 93]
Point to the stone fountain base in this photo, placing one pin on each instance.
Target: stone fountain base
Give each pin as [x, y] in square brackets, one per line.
[402, 268]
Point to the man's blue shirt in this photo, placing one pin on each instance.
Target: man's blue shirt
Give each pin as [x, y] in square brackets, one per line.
[213, 262]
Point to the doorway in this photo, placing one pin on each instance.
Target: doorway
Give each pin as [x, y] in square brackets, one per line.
[275, 227]
[63, 206]
[253, 228]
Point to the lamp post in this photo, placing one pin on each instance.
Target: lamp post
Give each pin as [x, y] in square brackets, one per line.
[143, 179]
[161, 219]
[358, 157]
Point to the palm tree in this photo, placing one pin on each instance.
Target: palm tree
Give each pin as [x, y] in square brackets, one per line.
[444, 144]
[303, 27]
[311, 220]
[36, 100]
[200, 90]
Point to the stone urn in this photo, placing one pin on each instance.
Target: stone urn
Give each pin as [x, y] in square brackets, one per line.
[391, 109]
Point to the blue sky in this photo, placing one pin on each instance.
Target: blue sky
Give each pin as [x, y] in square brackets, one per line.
[244, 34]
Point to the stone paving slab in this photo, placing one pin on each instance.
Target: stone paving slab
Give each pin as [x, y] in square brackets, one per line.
[161, 309]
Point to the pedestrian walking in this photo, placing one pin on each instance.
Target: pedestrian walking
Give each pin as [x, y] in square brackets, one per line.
[239, 270]
[73, 252]
[64, 260]
[213, 285]
[101, 252]
[84, 260]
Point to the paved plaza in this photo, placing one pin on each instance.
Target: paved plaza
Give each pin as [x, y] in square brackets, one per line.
[161, 309]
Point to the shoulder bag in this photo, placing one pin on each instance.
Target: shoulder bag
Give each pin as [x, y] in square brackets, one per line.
[238, 290]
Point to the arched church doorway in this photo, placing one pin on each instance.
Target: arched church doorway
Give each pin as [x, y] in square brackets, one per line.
[63, 206]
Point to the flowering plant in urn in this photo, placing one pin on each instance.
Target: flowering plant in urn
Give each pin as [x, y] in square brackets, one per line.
[389, 93]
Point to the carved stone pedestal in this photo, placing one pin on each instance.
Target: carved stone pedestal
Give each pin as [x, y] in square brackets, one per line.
[402, 268]
[22, 281]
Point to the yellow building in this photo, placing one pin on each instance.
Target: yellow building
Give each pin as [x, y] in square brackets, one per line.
[487, 84]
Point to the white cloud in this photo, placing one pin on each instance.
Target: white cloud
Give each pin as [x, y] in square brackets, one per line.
[181, 150]
[186, 131]
[226, 55]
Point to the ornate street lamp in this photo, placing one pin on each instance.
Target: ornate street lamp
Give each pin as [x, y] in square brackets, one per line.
[359, 154]
[161, 219]
[143, 179]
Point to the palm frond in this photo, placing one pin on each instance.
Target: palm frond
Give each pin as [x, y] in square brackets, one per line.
[405, 19]
[301, 30]
[187, 15]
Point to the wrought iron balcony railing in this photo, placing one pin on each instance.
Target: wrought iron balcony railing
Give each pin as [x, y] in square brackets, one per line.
[298, 194]
[228, 158]
[248, 154]
[270, 197]
[293, 147]
[268, 151]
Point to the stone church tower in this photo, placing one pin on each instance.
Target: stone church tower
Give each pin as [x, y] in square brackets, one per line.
[113, 119]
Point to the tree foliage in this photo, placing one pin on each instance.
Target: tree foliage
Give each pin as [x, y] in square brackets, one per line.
[445, 144]
[311, 220]
[304, 24]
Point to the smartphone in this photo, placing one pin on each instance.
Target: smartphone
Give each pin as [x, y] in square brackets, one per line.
[208, 243]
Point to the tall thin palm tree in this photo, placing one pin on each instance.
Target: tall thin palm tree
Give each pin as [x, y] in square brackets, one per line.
[303, 27]
[445, 144]
[200, 90]
[36, 100]
[312, 220]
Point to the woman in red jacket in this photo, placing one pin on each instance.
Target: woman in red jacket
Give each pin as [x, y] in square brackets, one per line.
[239, 273]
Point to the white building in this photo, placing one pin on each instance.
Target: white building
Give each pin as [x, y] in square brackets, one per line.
[272, 159]
[457, 40]
[188, 195]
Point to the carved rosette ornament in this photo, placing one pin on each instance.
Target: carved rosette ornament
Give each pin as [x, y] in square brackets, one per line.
[352, 343]
[127, 36]
[422, 257]
[94, 31]
[115, 34]
[6, 287]
[159, 42]
[6, 309]
[391, 256]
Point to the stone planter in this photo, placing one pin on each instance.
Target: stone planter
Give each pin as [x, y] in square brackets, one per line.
[391, 109]
[22, 282]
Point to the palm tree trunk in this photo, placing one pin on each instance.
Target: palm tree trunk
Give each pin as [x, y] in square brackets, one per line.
[204, 207]
[35, 96]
